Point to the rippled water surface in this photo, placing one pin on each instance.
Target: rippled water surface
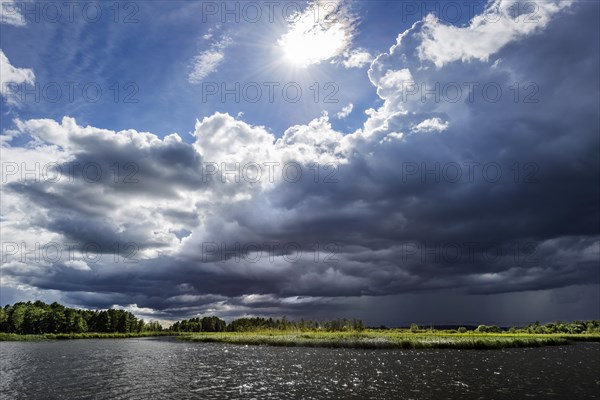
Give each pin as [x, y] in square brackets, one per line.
[152, 368]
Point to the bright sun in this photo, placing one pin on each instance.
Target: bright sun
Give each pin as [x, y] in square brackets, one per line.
[308, 42]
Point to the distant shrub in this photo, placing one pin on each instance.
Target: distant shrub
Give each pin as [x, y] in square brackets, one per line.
[462, 329]
[488, 329]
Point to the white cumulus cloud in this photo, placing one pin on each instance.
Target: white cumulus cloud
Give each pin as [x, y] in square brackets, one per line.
[486, 33]
[357, 58]
[11, 74]
[431, 125]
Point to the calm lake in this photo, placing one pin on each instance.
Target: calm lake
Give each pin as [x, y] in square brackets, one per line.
[162, 368]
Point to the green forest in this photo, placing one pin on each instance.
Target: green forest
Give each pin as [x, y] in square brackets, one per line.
[39, 318]
[34, 318]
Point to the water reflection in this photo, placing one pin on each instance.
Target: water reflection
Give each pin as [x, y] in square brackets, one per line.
[152, 368]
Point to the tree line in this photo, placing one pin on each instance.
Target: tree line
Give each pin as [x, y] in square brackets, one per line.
[575, 327]
[214, 324]
[558, 327]
[39, 318]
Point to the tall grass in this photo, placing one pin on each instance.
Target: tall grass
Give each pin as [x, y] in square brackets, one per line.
[384, 339]
[367, 339]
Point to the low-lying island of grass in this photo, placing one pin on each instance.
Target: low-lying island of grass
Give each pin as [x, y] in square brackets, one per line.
[387, 339]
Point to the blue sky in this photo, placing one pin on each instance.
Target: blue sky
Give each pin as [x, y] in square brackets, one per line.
[433, 133]
[153, 45]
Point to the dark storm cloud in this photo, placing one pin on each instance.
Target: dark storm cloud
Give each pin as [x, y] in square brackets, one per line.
[397, 219]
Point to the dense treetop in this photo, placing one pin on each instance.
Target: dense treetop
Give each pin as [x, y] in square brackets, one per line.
[39, 317]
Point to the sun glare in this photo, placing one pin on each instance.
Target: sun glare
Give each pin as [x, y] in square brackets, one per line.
[309, 42]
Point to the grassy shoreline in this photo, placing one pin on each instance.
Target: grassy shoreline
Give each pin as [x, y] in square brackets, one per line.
[368, 339]
[372, 339]
[13, 337]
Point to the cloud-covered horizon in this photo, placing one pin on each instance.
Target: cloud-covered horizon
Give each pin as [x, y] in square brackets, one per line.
[459, 185]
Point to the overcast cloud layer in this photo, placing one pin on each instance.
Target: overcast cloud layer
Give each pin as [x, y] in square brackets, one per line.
[463, 206]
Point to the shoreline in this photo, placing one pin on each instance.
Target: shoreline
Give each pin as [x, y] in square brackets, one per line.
[369, 339]
[390, 340]
[15, 337]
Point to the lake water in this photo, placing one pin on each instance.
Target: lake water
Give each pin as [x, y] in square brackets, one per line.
[162, 368]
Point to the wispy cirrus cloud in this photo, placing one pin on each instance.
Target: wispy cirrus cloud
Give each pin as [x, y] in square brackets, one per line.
[345, 111]
[209, 60]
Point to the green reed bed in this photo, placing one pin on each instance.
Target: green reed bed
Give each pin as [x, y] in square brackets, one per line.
[385, 339]
[368, 339]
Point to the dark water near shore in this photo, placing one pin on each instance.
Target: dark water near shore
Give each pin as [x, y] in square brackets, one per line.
[152, 368]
